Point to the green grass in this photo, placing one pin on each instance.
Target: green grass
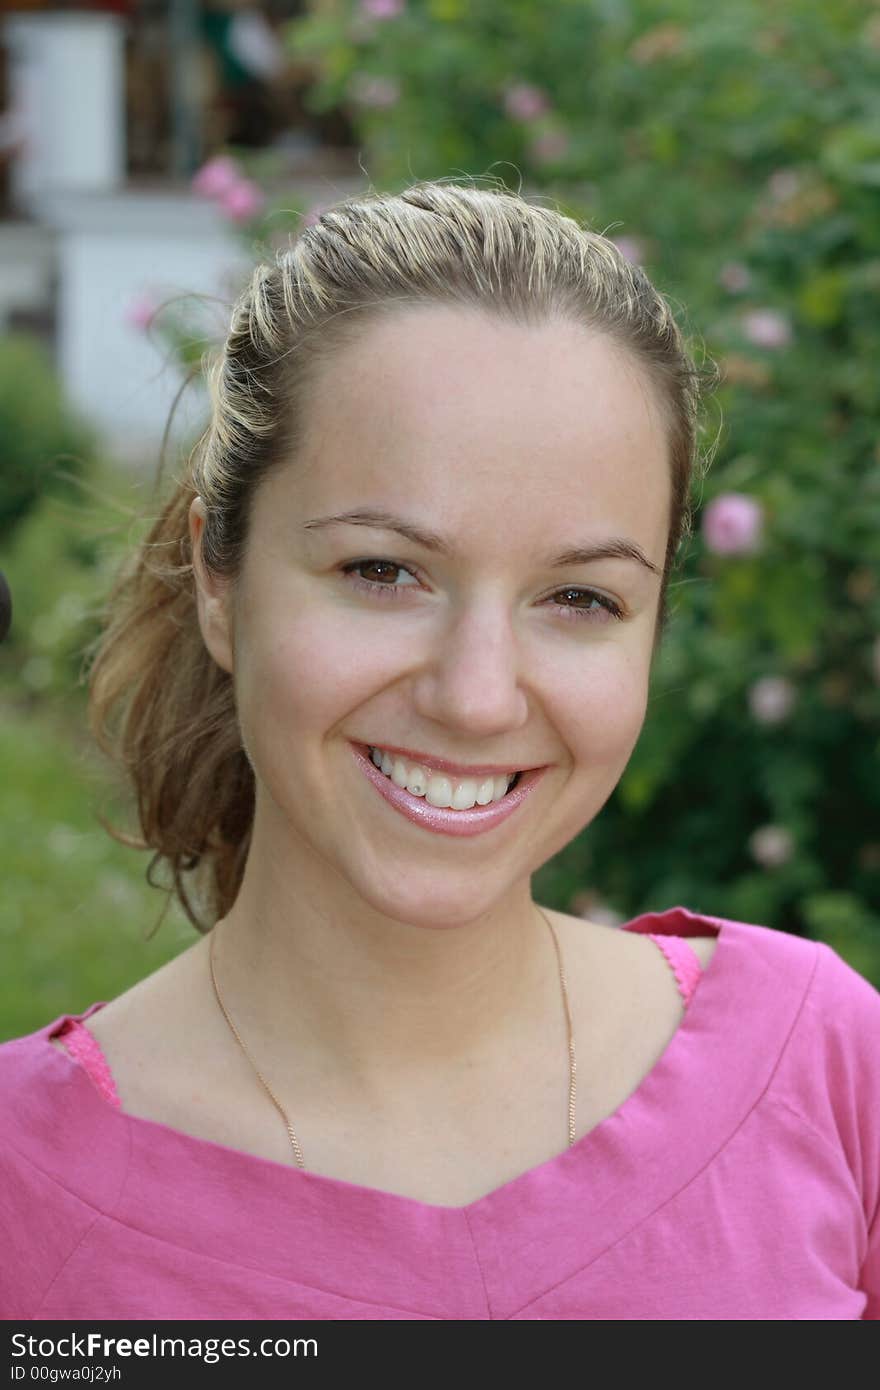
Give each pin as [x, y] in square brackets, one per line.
[75, 909]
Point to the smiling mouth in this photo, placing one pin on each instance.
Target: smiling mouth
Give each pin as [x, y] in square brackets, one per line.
[369, 751]
[429, 807]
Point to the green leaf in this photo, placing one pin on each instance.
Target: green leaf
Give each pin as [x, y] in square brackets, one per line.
[852, 153]
[821, 298]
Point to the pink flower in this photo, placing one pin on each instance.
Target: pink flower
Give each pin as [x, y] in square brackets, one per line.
[771, 699]
[217, 177]
[140, 312]
[523, 102]
[771, 845]
[378, 92]
[381, 9]
[242, 201]
[732, 524]
[784, 184]
[735, 277]
[630, 248]
[767, 328]
[549, 146]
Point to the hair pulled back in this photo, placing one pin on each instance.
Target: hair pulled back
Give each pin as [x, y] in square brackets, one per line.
[159, 704]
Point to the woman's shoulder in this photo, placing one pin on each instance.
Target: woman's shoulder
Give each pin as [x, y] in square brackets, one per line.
[629, 946]
[55, 1163]
[146, 1032]
[60, 1167]
[843, 1014]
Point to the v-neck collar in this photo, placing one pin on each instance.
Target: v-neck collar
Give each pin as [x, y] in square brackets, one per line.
[583, 1194]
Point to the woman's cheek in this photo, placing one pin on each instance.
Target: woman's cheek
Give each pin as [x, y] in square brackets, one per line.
[314, 668]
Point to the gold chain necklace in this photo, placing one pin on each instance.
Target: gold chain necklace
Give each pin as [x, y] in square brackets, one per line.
[294, 1142]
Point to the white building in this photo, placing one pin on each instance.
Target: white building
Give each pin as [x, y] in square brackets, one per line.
[88, 246]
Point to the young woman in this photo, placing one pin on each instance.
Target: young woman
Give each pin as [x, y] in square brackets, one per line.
[386, 651]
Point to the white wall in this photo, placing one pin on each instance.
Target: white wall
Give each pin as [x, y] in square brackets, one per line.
[111, 251]
[67, 98]
[112, 248]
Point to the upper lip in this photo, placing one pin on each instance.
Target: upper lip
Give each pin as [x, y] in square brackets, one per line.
[430, 760]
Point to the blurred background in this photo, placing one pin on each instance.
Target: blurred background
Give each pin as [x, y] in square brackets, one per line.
[152, 150]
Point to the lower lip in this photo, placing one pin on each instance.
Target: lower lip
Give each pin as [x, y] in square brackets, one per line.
[439, 818]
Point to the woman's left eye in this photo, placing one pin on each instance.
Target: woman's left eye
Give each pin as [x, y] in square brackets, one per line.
[373, 586]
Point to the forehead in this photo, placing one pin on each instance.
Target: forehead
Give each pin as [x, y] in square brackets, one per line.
[489, 423]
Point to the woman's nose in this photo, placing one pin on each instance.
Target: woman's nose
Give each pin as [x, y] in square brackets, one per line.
[472, 677]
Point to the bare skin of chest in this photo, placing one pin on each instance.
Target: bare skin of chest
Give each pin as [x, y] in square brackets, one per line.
[448, 1142]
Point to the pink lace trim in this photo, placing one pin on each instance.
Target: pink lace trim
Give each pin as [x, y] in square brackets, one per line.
[84, 1046]
[684, 961]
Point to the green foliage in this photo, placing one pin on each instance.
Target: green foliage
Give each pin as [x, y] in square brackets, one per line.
[42, 443]
[59, 565]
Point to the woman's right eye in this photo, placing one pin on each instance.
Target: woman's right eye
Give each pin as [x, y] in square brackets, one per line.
[372, 585]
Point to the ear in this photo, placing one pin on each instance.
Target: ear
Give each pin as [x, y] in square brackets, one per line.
[213, 596]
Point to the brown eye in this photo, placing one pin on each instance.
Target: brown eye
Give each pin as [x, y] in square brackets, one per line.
[377, 586]
[613, 609]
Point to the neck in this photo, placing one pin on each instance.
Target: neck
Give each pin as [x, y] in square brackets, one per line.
[381, 1004]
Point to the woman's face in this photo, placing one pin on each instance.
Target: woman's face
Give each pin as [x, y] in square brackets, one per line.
[513, 445]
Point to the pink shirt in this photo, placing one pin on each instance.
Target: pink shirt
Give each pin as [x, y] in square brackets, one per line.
[740, 1180]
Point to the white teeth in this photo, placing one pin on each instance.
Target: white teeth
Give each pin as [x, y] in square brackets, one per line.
[417, 782]
[438, 789]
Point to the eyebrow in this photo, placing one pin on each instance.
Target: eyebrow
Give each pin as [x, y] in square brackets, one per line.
[614, 548]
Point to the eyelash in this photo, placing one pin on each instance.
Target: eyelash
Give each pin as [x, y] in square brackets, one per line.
[392, 590]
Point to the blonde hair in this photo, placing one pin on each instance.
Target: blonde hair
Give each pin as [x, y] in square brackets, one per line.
[159, 704]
